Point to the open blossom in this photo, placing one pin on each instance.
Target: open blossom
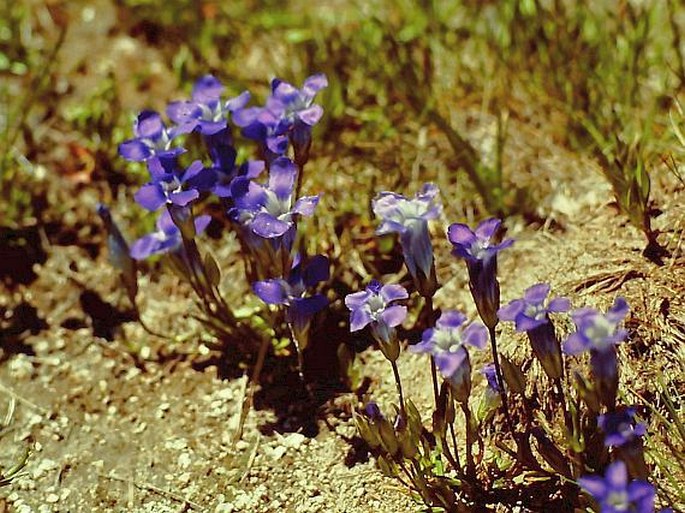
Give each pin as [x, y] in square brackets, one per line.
[615, 494]
[595, 331]
[205, 112]
[478, 244]
[168, 187]
[599, 333]
[292, 292]
[287, 116]
[531, 314]
[447, 344]
[479, 249]
[152, 139]
[409, 218]
[376, 306]
[533, 309]
[167, 237]
[620, 427]
[268, 210]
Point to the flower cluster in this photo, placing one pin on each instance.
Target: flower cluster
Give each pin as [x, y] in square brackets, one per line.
[267, 211]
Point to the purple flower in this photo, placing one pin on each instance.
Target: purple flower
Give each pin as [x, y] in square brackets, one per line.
[205, 111]
[530, 312]
[620, 427]
[448, 340]
[167, 237]
[298, 104]
[264, 125]
[268, 210]
[532, 316]
[167, 187]
[292, 292]
[409, 218]
[376, 307]
[615, 494]
[476, 245]
[490, 374]
[479, 249]
[152, 139]
[289, 113]
[597, 332]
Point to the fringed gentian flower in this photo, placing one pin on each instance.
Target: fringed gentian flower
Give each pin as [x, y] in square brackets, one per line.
[447, 344]
[167, 188]
[289, 113]
[268, 211]
[532, 316]
[615, 494]
[479, 248]
[292, 293]
[299, 111]
[409, 218]
[152, 139]
[375, 307]
[620, 427]
[492, 398]
[599, 334]
[167, 237]
[266, 126]
[205, 112]
[624, 434]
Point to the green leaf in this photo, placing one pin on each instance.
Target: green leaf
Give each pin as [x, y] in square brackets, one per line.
[212, 269]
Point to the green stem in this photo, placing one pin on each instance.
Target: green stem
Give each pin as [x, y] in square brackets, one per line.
[500, 380]
[398, 383]
[247, 402]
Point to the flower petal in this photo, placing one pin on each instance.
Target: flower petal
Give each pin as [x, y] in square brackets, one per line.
[476, 335]
[460, 235]
[356, 299]
[451, 319]
[135, 150]
[311, 116]
[559, 304]
[576, 344]
[149, 125]
[359, 318]
[272, 292]
[306, 205]
[150, 196]
[267, 226]
[509, 312]
[394, 315]
[537, 294]
[486, 229]
[393, 292]
[316, 271]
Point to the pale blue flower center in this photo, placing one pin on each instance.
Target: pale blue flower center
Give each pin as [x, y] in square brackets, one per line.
[619, 500]
[447, 339]
[376, 305]
[599, 332]
[536, 312]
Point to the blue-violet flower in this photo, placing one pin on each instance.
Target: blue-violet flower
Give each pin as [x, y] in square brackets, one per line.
[152, 139]
[447, 344]
[376, 307]
[479, 248]
[409, 218]
[615, 494]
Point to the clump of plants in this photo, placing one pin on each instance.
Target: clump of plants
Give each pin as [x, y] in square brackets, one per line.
[262, 204]
[540, 432]
[531, 440]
